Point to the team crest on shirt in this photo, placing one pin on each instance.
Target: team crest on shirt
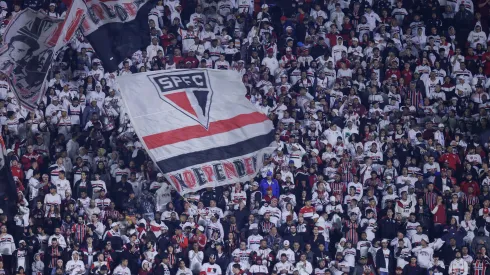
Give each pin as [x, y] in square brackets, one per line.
[187, 91]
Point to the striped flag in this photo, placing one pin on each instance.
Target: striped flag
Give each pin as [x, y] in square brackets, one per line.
[198, 126]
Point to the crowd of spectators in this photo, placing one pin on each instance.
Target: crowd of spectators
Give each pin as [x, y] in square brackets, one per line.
[382, 159]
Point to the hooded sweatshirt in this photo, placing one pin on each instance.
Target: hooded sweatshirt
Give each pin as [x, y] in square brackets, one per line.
[477, 37]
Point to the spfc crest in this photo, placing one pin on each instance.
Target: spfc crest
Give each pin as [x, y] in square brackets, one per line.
[187, 91]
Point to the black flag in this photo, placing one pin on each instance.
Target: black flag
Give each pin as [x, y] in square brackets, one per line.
[115, 41]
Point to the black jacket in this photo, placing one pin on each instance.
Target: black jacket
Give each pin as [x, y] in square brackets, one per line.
[412, 270]
[381, 263]
[389, 228]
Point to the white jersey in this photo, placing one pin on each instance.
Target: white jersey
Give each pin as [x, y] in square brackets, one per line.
[211, 269]
[75, 267]
[258, 269]
[284, 266]
[62, 185]
[253, 242]
[458, 267]
[120, 270]
[34, 186]
[7, 244]
[424, 256]
[411, 229]
[289, 254]
[244, 255]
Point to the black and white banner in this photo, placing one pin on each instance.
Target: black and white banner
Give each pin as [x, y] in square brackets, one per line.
[32, 40]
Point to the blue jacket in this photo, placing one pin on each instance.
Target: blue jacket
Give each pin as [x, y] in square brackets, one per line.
[275, 187]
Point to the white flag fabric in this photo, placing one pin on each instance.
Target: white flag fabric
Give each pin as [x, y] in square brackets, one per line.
[198, 126]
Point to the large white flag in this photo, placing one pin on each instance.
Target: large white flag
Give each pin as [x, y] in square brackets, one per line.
[198, 126]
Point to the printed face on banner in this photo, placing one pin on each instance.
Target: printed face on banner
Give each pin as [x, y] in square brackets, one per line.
[33, 39]
[27, 56]
[25, 59]
[188, 92]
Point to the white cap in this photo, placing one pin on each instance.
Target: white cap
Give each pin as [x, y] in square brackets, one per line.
[286, 243]
[440, 125]
[384, 241]
[315, 151]
[3, 5]
[343, 240]
[190, 25]
[114, 224]
[138, 145]
[159, 175]
[265, 6]
[130, 144]
[332, 198]
[200, 228]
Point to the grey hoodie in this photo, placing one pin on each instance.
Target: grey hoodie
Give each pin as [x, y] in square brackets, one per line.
[479, 241]
[37, 267]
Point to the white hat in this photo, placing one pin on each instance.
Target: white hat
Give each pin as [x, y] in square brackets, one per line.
[130, 144]
[190, 25]
[265, 20]
[265, 6]
[424, 238]
[52, 4]
[388, 177]
[355, 39]
[255, 183]
[159, 175]
[343, 240]
[332, 198]
[114, 224]
[200, 228]
[54, 98]
[315, 151]
[384, 241]
[440, 125]
[286, 243]
[3, 5]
